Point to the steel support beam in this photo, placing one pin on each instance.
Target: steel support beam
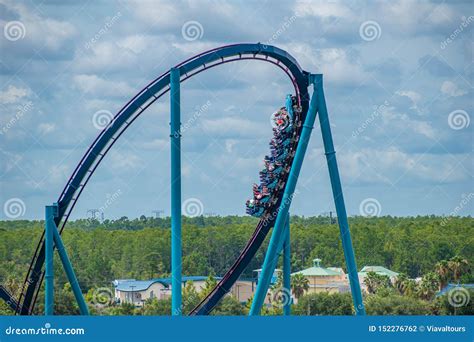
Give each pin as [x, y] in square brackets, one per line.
[52, 239]
[71, 275]
[338, 196]
[287, 270]
[277, 235]
[49, 259]
[176, 282]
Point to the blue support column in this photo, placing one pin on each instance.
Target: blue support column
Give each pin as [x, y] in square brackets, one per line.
[338, 197]
[49, 266]
[276, 240]
[71, 275]
[175, 192]
[287, 268]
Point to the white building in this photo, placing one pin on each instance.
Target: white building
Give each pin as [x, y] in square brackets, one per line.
[138, 291]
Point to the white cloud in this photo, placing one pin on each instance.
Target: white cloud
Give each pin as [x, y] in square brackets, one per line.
[13, 94]
[395, 119]
[451, 89]
[92, 84]
[335, 63]
[136, 43]
[124, 160]
[393, 166]
[232, 127]
[324, 9]
[46, 128]
[44, 34]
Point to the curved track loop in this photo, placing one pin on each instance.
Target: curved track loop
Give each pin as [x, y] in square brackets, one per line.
[124, 118]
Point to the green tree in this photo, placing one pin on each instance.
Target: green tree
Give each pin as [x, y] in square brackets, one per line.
[324, 303]
[190, 298]
[229, 306]
[209, 285]
[124, 309]
[458, 266]
[428, 286]
[455, 302]
[395, 304]
[299, 285]
[375, 281]
[155, 307]
[443, 270]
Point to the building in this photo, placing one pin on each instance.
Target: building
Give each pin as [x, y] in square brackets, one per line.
[138, 291]
[377, 269]
[321, 279]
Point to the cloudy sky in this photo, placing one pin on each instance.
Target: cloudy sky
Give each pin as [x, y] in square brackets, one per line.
[399, 86]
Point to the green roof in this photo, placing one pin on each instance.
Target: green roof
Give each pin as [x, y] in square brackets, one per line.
[318, 271]
[379, 270]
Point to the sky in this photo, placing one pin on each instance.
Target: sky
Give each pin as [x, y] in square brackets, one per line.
[398, 85]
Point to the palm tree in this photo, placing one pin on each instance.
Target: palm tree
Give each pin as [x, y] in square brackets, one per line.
[375, 281]
[428, 286]
[458, 266]
[401, 283]
[299, 285]
[443, 270]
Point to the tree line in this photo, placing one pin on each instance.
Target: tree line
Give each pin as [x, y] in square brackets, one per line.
[422, 246]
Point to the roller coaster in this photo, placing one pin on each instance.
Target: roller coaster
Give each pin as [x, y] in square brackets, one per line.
[271, 200]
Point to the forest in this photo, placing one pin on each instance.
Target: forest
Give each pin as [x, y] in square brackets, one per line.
[140, 248]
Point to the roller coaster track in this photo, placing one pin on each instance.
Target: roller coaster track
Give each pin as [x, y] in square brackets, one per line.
[126, 116]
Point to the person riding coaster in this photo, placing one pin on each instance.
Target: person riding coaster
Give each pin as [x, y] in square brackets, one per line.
[260, 192]
[274, 164]
[254, 208]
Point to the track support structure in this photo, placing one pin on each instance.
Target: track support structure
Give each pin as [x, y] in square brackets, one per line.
[287, 270]
[53, 239]
[175, 137]
[278, 237]
[330, 153]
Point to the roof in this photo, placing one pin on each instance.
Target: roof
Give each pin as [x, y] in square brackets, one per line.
[129, 285]
[377, 269]
[318, 271]
[449, 287]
